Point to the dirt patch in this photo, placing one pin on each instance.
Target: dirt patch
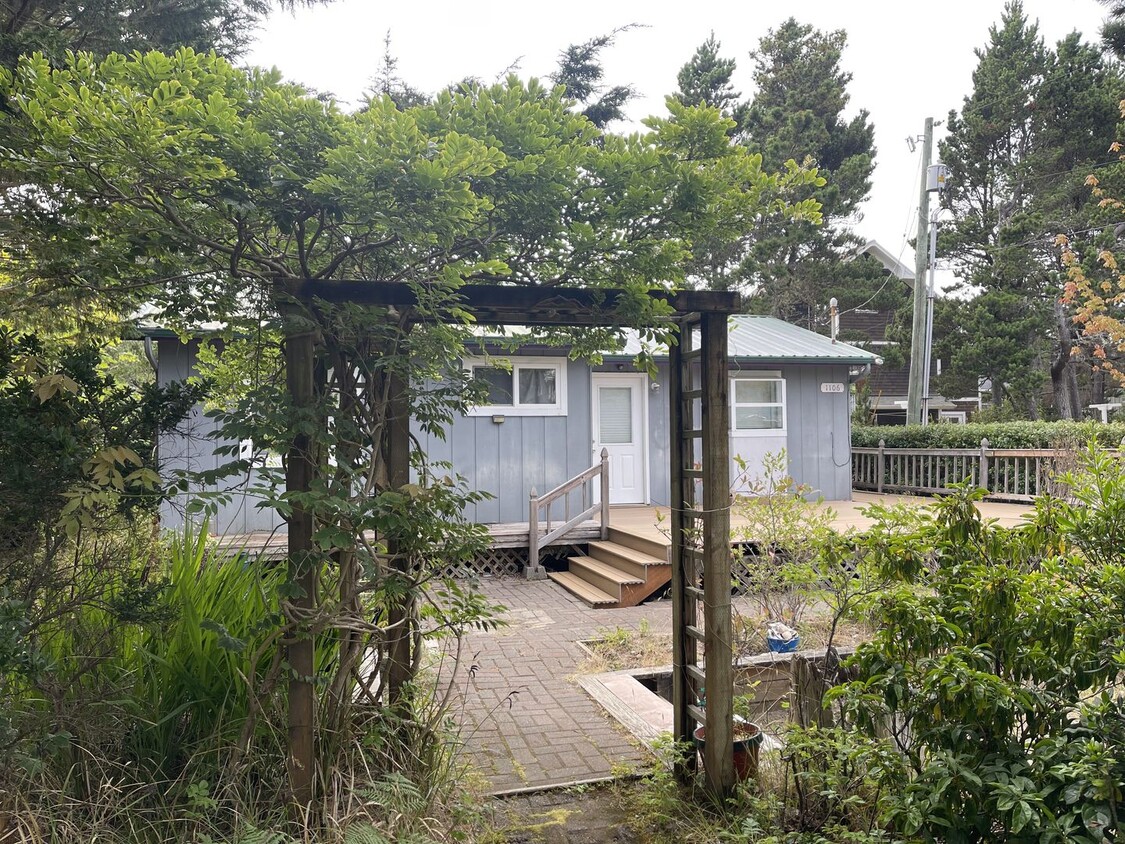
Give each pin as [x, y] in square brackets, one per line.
[622, 648]
[580, 815]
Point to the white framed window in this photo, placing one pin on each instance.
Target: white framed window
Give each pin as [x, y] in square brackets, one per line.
[517, 386]
[757, 403]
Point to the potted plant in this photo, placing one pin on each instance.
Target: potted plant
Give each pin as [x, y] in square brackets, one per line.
[746, 743]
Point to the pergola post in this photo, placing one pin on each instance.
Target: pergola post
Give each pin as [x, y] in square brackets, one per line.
[718, 759]
[398, 471]
[300, 466]
[700, 458]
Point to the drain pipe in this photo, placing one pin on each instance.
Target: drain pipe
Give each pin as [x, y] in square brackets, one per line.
[149, 356]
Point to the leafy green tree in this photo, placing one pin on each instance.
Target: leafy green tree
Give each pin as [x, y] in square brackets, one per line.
[1018, 153]
[797, 113]
[212, 193]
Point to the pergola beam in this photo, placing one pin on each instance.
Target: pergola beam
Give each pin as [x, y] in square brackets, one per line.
[511, 304]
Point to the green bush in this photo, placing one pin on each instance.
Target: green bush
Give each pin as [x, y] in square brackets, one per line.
[998, 434]
[996, 665]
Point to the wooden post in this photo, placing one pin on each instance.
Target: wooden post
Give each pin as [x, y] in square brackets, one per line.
[683, 606]
[400, 615]
[880, 466]
[300, 466]
[605, 493]
[533, 570]
[983, 480]
[718, 760]
[809, 685]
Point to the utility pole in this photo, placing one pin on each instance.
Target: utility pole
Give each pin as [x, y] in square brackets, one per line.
[921, 259]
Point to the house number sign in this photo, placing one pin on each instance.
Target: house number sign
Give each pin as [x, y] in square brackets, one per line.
[836, 387]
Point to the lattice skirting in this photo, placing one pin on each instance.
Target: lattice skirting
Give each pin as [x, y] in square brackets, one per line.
[502, 562]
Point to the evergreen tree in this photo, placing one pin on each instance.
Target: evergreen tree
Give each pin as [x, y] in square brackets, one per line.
[1018, 152]
[104, 26]
[706, 80]
[797, 114]
[580, 71]
[1113, 30]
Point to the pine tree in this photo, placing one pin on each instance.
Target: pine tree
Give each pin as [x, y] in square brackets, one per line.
[1019, 152]
[580, 71]
[105, 26]
[706, 80]
[798, 114]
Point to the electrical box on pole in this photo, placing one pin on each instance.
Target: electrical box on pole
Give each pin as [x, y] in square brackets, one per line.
[936, 174]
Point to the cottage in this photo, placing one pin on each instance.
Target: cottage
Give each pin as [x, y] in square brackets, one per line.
[548, 419]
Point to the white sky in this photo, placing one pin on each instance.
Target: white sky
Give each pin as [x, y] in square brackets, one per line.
[909, 60]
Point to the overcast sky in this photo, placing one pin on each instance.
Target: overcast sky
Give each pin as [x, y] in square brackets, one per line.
[909, 60]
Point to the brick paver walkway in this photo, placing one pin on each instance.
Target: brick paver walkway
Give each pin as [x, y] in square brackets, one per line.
[525, 721]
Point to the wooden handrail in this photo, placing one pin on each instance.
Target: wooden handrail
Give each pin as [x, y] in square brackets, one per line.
[543, 502]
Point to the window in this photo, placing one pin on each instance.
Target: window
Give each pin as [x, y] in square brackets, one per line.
[521, 387]
[758, 403]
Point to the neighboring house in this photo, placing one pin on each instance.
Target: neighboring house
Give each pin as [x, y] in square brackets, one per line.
[548, 419]
[886, 388]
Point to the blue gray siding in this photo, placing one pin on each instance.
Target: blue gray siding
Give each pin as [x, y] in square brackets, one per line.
[192, 447]
[508, 459]
[819, 430]
[817, 439]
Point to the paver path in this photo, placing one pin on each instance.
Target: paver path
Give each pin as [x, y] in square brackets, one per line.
[525, 722]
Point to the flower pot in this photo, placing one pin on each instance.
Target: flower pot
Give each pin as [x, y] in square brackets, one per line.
[746, 744]
[783, 646]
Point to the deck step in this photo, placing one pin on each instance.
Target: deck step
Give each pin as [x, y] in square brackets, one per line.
[625, 558]
[654, 548]
[604, 576]
[582, 589]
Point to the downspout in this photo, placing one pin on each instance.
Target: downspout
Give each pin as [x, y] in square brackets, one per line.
[149, 356]
[855, 373]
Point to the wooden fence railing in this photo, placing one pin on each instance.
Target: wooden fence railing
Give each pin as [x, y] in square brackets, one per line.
[537, 503]
[1008, 474]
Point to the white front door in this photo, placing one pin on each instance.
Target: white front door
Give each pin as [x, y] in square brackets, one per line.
[619, 427]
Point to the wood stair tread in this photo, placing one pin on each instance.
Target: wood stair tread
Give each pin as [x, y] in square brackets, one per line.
[640, 543]
[628, 553]
[606, 570]
[582, 589]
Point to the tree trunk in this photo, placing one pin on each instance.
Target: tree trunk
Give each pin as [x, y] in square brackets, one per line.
[1064, 379]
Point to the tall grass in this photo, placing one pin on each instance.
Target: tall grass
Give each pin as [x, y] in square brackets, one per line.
[195, 676]
[158, 718]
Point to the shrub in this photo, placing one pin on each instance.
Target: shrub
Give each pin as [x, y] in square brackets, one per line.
[995, 666]
[998, 434]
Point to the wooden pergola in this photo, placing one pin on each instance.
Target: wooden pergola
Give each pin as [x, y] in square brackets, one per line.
[700, 505]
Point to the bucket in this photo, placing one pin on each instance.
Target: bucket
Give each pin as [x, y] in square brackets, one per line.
[783, 646]
[745, 747]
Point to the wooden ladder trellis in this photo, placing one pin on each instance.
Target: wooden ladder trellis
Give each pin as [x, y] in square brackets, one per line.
[702, 683]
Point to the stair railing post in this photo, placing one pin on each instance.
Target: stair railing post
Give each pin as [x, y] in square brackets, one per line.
[983, 481]
[534, 572]
[879, 466]
[604, 477]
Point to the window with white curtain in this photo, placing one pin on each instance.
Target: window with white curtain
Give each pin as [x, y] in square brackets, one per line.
[521, 386]
[758, 403]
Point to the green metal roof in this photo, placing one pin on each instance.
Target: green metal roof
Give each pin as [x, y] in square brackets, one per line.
[766, 339]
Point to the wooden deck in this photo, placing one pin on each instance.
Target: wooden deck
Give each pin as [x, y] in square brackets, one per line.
[652, 523]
